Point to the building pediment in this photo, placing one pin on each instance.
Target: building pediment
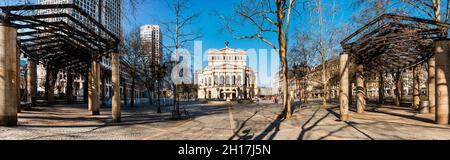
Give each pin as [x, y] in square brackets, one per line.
[225, 66]
[226, 50]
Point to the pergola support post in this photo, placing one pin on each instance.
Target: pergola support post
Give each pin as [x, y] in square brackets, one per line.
[432, 84]
[416, 88]
[360, 91]
[69, 88]
[115, 61]
[31, 81]
[93, 88]
[8, 72]
[344, 85]
[18, 98]
[103, 88]
[381, 89]
[442, 78]
[50, 88]
[86, 89]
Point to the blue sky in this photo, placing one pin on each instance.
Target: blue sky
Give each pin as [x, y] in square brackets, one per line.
[154, 12]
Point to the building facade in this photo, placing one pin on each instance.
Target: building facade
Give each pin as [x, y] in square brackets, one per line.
[315, 87]
[227, 76]
[107, 12]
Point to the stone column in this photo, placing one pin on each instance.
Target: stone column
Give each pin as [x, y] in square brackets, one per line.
[31, 81]
[69, 88]
[442, 77]
[432, 83]
[381, 88]
[360, 100]
[8, 72]
[93, 88]
[86, 88]
[344, 85]
[51, 85]
[89, 88]
[116, 87]
[19, 108]
[103, 89]
[416, 88]
[350, 92]
[125, 94]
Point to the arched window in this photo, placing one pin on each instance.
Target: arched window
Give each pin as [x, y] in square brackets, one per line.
[222, 80]
[209, 81]
[234, 80]
[216, 80]
[228, 80]
[239, 79]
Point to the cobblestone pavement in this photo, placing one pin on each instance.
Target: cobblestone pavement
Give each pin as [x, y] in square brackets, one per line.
[224, 122]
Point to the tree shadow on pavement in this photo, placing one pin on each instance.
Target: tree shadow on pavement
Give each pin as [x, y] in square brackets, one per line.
[247, 135]
[405, 116]
[305, 129]
[349, 123]
[274, 126]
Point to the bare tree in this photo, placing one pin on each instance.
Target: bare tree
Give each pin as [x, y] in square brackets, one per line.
[437, 10]
[327, 41]
[367, 10]
[268, 18]
[179, 34]
[301, 57]
[131, 56]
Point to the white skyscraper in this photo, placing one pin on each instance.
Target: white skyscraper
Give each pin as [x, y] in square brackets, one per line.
[151, 36]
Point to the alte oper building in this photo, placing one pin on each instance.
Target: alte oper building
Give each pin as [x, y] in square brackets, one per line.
[227, 76]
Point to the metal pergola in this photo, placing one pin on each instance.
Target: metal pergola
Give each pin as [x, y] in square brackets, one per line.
[62, 36]
[391, 42]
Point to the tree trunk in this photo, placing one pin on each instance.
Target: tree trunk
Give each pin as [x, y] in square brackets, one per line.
[158, 99]
[282, 41]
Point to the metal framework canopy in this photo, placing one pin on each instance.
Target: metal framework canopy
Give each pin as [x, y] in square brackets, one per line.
[62, 36]
[391, 42]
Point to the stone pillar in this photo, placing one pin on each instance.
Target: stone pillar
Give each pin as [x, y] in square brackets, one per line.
[432, 83]
[89, 88]
[116, 87]
[93, 88]
[442, 77]
[416, 88]
[69, 88]
[103, 89]
[8, 72]
[18, 99]
[125, 94]
[31, 81]
[350, 92]
[360, 100]
[344, 85]
[51, 85]
[381, 88]
[86, 88]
